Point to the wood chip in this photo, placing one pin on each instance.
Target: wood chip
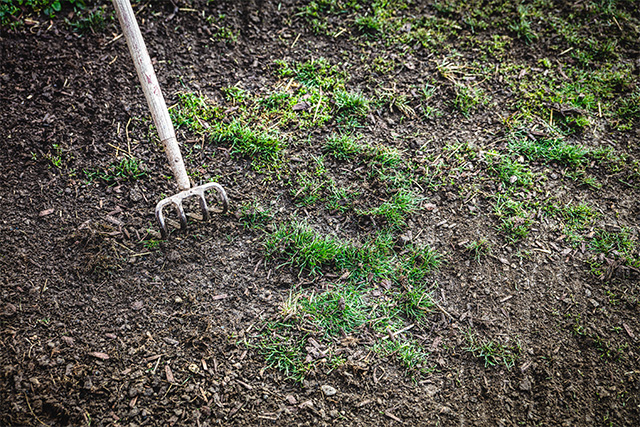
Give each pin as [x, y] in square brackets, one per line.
[507, 298]
[364, 402]
[169, 374]
[217, 297]
[393, 417]
[628, 330]
[245, 385]
[46, 212]
[99, 355]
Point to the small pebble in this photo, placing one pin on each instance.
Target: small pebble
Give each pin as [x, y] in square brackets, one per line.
[328, 390]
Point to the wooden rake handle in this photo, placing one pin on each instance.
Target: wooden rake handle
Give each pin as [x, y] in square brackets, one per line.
[152, 91]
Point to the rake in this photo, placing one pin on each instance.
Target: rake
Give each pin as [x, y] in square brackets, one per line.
[161, 118]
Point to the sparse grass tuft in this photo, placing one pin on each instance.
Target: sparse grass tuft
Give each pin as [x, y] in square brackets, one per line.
[314, 73]
[254, 215]
[127, 169]
[469, 98]
[521, 26]
[478, 248]
[510, 172]
[628, 111]
[493, 353]
[408, 352]
[515, 220]
[416, 302]
[616, 243]
[549, 149]
[368, 24]
[193, 111]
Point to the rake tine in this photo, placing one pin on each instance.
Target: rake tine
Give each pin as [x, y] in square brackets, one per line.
[181, 214]
[221, 194]
[203, 205]
[177, 199]
[160, 218]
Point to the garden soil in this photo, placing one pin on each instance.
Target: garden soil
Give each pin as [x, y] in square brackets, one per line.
[100, 327]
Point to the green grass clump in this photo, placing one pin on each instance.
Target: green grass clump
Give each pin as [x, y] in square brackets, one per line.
[619, 243]
[576, 216]
[339, 310]
[478, 248]
[549, 150]
[416, 301]
[628, 111]
[407, 351]
[93, 21]
[351, 103]
[424, 257]
[254, 215]
[397, 208]
[302, 247]
[344, 146]
[368, 24]
[194, 111]
[261, 145]
[235, 94]
[284, 351]
[521, 25]
[314, 73]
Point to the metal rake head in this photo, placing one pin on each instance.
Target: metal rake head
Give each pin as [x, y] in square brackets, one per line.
[177, 199]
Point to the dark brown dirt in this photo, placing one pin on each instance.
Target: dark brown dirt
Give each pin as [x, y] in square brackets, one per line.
[94, 324]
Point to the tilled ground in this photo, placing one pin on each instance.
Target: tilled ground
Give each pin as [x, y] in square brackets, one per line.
[101, 327]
